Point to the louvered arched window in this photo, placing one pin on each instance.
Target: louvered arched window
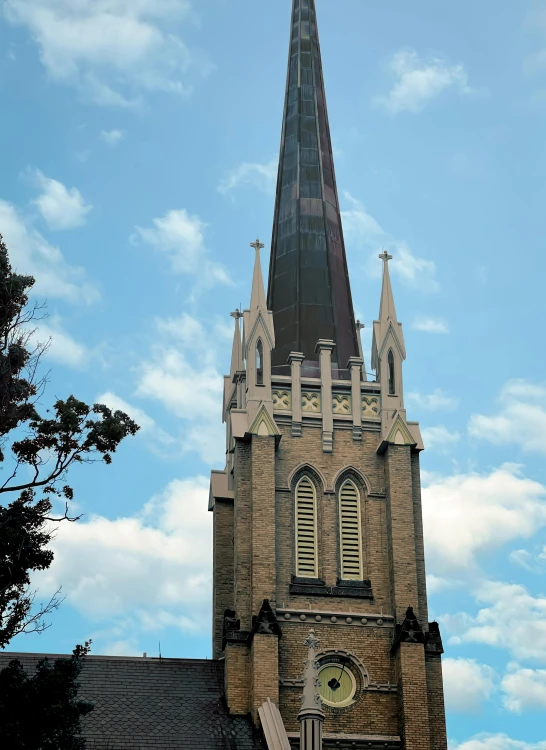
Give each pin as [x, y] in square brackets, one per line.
[306, 529]
[350, 532]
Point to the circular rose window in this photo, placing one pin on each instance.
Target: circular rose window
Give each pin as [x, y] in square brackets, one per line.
[337, 685]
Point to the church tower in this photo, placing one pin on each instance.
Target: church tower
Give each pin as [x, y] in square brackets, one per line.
[317, 515]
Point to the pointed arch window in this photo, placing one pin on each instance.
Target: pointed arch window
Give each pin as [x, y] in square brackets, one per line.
[350, 532]
[259, 363]
[392, 377]
[306, 529]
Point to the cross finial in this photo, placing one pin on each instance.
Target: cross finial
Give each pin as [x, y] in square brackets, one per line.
[237, 314]
[385, 256]
[257, 245]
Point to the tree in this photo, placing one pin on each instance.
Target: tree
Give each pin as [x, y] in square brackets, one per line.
[43, 712]
[40, 449]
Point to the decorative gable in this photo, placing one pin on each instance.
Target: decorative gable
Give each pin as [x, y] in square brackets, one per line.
[264, 424]
[400, 434]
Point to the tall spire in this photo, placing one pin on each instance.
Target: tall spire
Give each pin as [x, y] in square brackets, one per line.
[309, 292]
[237, 364]
[387, 310]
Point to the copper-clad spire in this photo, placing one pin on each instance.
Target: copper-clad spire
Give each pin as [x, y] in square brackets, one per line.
[309, 292]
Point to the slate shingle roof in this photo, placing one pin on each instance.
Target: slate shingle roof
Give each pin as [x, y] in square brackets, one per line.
[147, 704]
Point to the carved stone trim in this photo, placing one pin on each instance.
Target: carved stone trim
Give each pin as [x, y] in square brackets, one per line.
[409, 631]
[342, 404]
[317, 617]
[370, 406]
[351, 741]
[311, 401]
[282, 399]
[433, 640]
[266, 623]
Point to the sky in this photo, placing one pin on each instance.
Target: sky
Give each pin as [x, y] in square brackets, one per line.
[139, 143]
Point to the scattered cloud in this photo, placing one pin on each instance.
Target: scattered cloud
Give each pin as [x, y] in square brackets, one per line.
[486, 741]
[436, 401]
[521, 419]
[112, 137]
[466, 515]
[180, 373]
[153, 567]
[60, 207]
[467, 684]
[431, 325]
[513, 619]
[63, 348]
[524, 689]
[181, 238]
[112, 51]
[365, 230]
[159, 440]
[419, 81]
[31, 253]
[524, 559]
[260, 176]
[440, 438]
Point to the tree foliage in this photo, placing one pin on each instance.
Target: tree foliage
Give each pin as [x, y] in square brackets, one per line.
[36, 452]
[43, 712]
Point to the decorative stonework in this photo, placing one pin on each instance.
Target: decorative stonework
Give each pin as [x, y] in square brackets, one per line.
[318, 617]
[370, 407]
[341, 404]
[311, 402]
[282, 400]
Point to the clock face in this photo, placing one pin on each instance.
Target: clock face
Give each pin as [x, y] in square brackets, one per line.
[337, 685]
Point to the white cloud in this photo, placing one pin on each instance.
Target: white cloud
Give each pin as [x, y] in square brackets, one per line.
[520, 421]
[525, 689]
[524, 559]
[63, 348]
[365, 230]
[486, 741]
[160, 440]
[260, 176]
[467, 514]
[60, 207]
[419, 81]
[440, 437]
[431, 325]
[467, 684]
[513, 619]
[153, 567]
[30, 253]
[180, 373]
[181, 238]
[436, 401]
[112, 137]
[110, 50]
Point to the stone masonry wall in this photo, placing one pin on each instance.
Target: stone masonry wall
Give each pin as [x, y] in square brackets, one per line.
[435, 691]
[373, 713]
[222, 566]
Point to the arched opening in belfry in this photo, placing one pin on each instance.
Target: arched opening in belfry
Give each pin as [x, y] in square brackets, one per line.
[392, 377]
[259, 363]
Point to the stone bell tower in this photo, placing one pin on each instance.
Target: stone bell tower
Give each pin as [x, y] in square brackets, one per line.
[317, 514]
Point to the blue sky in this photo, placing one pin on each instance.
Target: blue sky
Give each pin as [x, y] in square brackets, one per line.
[139, 143]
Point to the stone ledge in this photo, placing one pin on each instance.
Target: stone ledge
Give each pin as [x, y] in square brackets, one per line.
[362, 619]
[317, 587]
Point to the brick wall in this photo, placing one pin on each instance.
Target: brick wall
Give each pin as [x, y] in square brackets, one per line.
[413, 715]
[265, 672]
[237, 678]
[222, 566]
[435, 692]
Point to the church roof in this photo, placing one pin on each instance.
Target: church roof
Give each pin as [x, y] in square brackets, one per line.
[309, 292]
[152, 704]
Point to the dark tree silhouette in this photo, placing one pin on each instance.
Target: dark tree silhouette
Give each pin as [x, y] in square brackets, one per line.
[43, 712]
[36, 452]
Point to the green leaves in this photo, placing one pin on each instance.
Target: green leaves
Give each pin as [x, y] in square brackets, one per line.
[43, 712]
[36, 453]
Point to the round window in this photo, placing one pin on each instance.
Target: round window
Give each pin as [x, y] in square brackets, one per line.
[337, 685]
